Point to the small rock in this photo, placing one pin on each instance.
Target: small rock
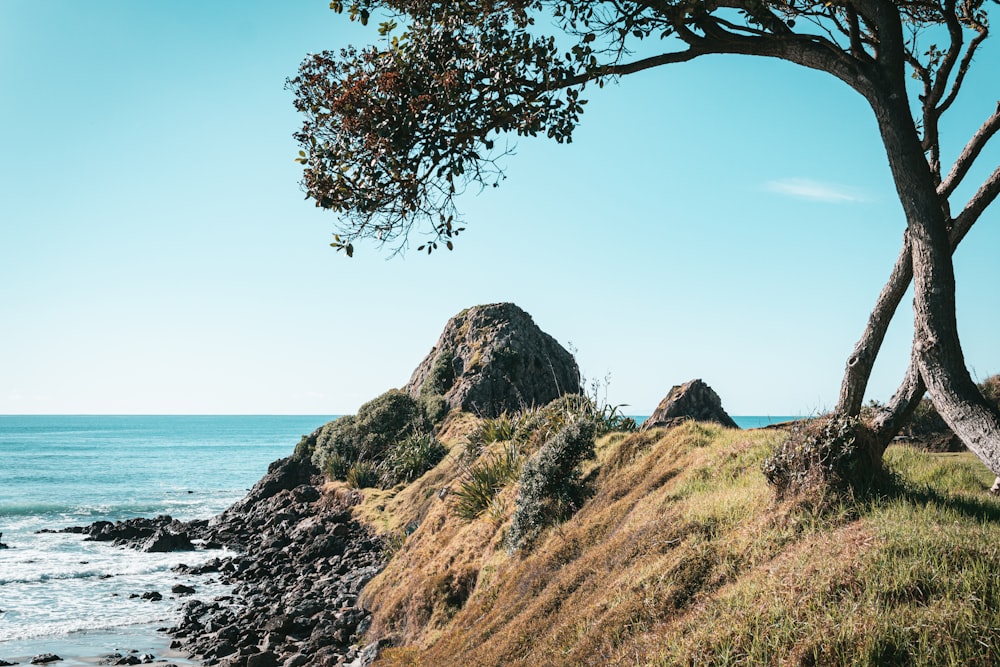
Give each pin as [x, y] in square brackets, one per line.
[265, 659]
[45, 658]
[181, 589]
[152, 596]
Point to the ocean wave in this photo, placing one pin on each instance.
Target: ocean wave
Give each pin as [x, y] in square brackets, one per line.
[85, 623]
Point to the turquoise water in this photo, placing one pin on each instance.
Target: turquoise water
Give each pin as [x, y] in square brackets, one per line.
[56, 471]
[758, 421]
[752, 421]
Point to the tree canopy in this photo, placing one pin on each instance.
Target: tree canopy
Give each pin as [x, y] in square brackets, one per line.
[395, 131]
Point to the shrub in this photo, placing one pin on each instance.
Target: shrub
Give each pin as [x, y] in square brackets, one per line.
[410, 458]
[435, 408]
[369, 435]
[441, 376]
[550, 484]
[337, 440]
[830, 453]
[337, 466]
[483, 480]
[990, 389]
[383, 421]
[363, 475]
[305, 448]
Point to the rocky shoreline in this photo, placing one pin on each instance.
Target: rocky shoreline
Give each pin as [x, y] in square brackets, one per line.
[300, 562]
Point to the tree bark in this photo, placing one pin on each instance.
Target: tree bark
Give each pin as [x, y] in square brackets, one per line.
[859, 365]
[936, 346]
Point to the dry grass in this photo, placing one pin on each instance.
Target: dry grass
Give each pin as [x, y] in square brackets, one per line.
[683, 557]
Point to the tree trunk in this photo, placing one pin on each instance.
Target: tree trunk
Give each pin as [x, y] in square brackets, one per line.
[862, 359]
[936, 346]
[859, 365]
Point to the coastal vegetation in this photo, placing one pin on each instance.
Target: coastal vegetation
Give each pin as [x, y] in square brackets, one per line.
[387, 442]
[678, 551]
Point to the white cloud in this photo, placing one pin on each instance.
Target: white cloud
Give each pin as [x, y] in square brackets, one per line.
[804, 188]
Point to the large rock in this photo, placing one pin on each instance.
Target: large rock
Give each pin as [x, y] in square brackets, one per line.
[691, 400]
[494, 358]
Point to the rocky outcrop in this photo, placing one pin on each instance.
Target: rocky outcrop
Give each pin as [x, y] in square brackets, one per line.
[691, 400]
[300, 562]
[303, 560]
[493, 359]
[164, 533]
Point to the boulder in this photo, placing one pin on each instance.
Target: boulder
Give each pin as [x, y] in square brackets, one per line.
[163, 541]
[493, 359]
[691, 400]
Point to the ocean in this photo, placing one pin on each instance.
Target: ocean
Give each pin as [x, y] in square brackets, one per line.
[74, 598]
[81, 599]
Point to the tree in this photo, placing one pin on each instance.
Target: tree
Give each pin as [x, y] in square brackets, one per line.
[394, 133]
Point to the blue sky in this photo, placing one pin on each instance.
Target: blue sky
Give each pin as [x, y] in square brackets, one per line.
[731, 219]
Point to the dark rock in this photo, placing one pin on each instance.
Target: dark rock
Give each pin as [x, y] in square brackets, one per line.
[152, 596]
[181, 589]
[492, 359]
[693, 400]
[306, 493]
[44, 658]
[265, 659]
[163, 541]
[4, 663]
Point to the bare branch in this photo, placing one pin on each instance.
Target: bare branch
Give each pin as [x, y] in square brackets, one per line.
[985, 195]
[963, 68]
[970, 153]
[954, 51]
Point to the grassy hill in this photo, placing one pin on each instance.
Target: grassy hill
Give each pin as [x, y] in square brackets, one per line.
[680, 554]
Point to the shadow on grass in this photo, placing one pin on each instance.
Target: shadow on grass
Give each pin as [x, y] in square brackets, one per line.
[894, 487]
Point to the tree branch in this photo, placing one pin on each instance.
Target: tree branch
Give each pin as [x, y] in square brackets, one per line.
[963, 68]
[985, 195]
[954, 51]
[970, 153]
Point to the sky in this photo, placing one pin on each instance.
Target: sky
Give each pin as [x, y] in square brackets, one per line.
[731, 219]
